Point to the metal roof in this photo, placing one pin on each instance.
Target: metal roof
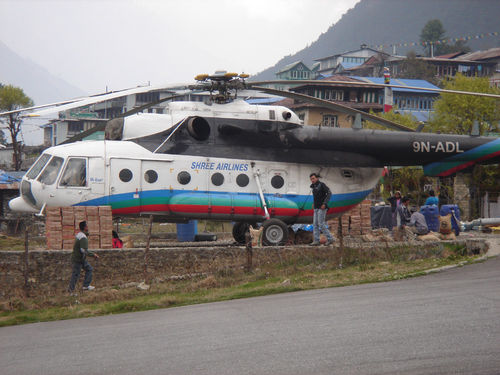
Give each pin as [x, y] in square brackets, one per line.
[11, 177]
[422, 116]
[349, 65]
[402, 82]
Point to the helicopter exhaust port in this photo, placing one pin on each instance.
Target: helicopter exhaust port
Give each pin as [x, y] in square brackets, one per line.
[198, 128]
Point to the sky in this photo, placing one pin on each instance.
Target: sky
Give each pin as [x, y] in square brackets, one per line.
[94, 44]
[115, 44]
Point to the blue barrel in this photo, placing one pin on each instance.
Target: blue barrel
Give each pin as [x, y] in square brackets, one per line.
[431, 214]
[186, 232]
[455, 215]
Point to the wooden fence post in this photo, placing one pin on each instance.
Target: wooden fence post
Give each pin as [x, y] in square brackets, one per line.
[146, 250]
[26, 256]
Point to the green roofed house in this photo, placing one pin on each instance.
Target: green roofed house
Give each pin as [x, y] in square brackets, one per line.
[295, 71]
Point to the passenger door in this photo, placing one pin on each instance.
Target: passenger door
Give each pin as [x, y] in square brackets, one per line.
[125, 185]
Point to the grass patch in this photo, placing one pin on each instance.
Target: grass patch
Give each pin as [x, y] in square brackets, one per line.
[221, 286]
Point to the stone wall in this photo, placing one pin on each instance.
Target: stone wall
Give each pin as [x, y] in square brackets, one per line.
[50, 270]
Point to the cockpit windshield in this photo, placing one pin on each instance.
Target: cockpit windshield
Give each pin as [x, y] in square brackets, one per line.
[38, 166]
[49, 174]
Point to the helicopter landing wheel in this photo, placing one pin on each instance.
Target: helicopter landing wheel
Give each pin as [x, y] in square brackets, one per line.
[239, 230]
[275, 233]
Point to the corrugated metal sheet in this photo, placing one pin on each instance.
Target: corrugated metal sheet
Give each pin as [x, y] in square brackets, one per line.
[402, 82]
[10, 177]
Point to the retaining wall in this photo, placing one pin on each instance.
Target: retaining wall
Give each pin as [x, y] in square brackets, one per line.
[50, 270]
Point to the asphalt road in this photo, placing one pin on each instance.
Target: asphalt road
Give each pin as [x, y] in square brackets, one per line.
[437, 324]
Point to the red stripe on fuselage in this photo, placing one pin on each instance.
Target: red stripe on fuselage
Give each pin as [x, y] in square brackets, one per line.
[222, 210]
[468, 164]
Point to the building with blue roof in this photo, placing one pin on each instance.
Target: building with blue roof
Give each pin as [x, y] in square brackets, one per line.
[370, 97]
[419, 103]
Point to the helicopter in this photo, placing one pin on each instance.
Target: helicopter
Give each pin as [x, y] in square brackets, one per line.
[228, 160]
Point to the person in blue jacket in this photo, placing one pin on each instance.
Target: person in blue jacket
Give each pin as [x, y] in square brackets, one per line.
[432, 199]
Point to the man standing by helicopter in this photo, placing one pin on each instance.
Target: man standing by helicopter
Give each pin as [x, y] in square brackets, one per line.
[321, 195]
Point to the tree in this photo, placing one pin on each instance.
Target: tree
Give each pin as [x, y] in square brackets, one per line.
[414, 68]
[456, 114]
[13, 98]
[406, 119]
[431, 33]
[434, 33]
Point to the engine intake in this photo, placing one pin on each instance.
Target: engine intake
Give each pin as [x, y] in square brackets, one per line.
[198, 128]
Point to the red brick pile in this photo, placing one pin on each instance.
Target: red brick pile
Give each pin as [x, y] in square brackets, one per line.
[61, 225]
[355, 222]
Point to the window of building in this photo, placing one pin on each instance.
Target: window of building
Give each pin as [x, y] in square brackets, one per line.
[277, 182]
[184, 178]
[217, 179]
[75, 173]
[147, 97]
[369, 97]
[49, 174]
[75, 127]
[125, 175]
[330, 121]
[150, 176]
[333, 95]
[242, 180]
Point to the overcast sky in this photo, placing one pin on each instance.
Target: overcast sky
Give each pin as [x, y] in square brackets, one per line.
[123, 43]
[94, 44]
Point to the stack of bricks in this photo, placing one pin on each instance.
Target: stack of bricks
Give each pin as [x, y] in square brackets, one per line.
[365, 213]
[105, 227]
[61, 225]
[68, 227]
[93, 224]
[355, 222]
[53, 227]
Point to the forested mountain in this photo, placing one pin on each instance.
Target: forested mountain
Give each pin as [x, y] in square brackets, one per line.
[376, 22]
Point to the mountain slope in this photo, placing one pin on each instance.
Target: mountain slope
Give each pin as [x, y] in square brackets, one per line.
[36, 82]
[375, 22]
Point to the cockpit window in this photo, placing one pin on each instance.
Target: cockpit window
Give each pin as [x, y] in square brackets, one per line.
[49, 174]
[75, 173]
[38, 166]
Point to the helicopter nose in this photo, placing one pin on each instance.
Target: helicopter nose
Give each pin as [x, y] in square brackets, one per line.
[20, 205]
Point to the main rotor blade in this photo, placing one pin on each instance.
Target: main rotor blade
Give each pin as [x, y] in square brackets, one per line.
[100, 98]
[336, 107]
[344, 83]
[146, 106]
[41, 106]
[101, 127]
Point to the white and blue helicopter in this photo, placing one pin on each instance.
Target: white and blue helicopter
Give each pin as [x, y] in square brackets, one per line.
[231, 161]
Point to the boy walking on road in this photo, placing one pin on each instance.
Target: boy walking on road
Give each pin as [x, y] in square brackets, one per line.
[78, 258]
